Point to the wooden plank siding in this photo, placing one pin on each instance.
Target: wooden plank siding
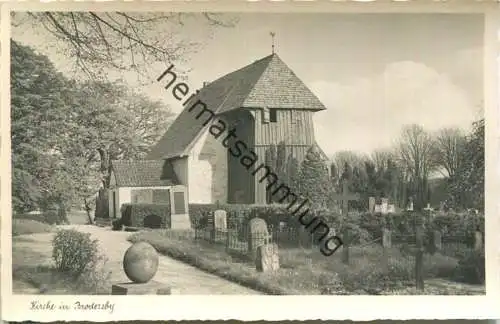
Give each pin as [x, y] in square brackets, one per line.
[294, 127]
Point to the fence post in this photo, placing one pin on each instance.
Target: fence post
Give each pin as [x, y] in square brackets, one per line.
[228, 239]
[345, 246]
[419, 257]
[478, 241]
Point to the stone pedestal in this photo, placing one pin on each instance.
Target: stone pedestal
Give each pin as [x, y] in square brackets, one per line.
[149, 288]
[267, 258]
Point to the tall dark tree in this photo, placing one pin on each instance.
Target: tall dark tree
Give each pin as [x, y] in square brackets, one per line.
[467, 189]
[293, 169]
[313, 179]
[270, 160]
[38, 106]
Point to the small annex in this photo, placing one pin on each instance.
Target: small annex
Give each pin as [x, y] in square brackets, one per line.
[146, 181]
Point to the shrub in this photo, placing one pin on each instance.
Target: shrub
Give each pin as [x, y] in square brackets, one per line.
[74, 252]
[471, 267]
[376, 277]
[117, 224]
[439, 266]
[141, 215]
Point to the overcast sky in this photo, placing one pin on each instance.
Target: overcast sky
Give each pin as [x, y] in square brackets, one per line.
[374, 72]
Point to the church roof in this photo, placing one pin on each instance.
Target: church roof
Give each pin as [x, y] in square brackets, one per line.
[267, 82]
[144, 173]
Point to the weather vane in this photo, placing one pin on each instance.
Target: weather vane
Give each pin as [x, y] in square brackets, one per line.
[272, 37]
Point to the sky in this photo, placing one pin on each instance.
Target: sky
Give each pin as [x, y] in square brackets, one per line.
[374, 73]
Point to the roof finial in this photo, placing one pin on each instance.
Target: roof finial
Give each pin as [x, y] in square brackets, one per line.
[272, 37]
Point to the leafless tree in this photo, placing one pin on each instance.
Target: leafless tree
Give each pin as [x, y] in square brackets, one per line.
[381, 157]
[449, 144]
[119, 40]
[416, 158]
[353, 159]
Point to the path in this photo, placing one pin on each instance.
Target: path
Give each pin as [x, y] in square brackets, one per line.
[189, 280]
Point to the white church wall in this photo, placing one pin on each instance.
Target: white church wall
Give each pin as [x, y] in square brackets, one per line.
[207, 170]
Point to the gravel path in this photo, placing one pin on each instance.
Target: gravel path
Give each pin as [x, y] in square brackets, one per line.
[187, 279]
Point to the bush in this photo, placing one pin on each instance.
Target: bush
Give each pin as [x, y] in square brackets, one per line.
[379, 276]
[74, 252]
[471, 267]
[117, 224]
[146, 215]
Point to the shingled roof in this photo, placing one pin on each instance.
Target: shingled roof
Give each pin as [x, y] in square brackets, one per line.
[268, 82]
[144, 173]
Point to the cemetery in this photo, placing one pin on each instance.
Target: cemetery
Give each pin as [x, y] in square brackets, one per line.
[188, 197]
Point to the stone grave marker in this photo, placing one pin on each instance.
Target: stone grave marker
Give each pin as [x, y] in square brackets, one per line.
[377, 209]
[220, 220]
[257, 235]
[478, 241]
[267, 258]
[391, 209]
[371, 205]
[384, 206]
[437, 240]
[410, 205]
[386, 238]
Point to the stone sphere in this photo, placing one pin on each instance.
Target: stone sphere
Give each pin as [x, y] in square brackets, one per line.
[140, 262]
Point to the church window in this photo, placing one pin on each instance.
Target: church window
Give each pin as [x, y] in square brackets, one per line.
[273, 115]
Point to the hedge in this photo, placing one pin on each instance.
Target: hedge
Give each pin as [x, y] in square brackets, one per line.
[454, 226]
[146, 215]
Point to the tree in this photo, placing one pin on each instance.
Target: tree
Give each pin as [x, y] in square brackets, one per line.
[122, 41]
[281, 162]
[313, 179]
[38, 106]
[270, 160]
[415, 156]
[293, 170]
[467, 186]
[448, 147]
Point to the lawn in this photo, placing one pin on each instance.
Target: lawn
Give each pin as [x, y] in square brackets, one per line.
[33, 269]
[303, 271]
[29, 226]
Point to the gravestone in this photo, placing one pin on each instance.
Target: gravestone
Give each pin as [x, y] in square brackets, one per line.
[219, 229]
[384, 206]
[371, 205]
[410, 205]
[478, 241]
[267, 258]
[391, 209]
[442, 207]
[257, 234]
[386, 238]
[140, 264]
[437, 240]
[377, 209]
[220, 220]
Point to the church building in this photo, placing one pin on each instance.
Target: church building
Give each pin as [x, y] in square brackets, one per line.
[265, 104]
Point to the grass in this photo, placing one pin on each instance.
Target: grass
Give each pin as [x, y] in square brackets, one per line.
[29, 226]
[34, 272]
[372, 270]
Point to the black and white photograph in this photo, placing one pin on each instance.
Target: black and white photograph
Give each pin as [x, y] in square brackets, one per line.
[246, 153]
